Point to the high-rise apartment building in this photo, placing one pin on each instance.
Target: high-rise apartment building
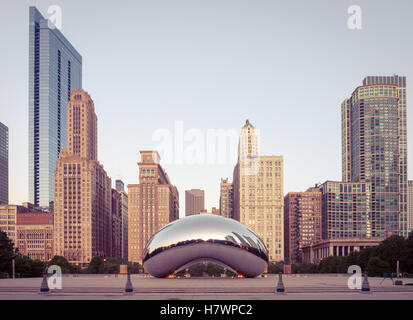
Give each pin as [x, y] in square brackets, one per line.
[83, 193]
[120, 187]
[374, 138]
[225, 199]
[258, 192]
[194, 201]
[4, 164]
[302, 222]
[55, 69]
[347, 210]
[35, 235]
[410, 202]
[153, 203]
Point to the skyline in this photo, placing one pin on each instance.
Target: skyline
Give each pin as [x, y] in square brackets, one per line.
[321, 134]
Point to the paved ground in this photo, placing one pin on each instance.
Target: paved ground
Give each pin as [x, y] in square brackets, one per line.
[301, 287]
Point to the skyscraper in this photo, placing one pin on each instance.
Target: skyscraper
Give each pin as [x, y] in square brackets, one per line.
[83, 193]
[258, 192]
[120, 187]
[116, 224]
[374, 138]
[153, 203]
[302, 222]
[194, 201]
[225, 199]
[4, 164]
[55, 69]
[410, 208]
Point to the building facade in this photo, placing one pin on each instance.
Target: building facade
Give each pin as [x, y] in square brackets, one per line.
[258, 192]
[120, 187]
[4, 164]
[336, 247]
[346, 210]
[374, 137]
[116, 224]
[55, 69]
[83, 193]
[34, 232]
[194, 201]
[225, 199]
[410, 202]
[153, 203]
[302, 222]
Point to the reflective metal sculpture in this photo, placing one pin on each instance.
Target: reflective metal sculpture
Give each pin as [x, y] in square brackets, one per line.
[205, 237]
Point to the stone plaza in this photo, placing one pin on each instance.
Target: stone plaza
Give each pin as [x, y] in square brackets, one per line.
[297, 287]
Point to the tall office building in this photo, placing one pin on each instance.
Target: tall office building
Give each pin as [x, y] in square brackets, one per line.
[55, 69]
[302, 222]
[4, 164]
[410, 202]
[83, 193]
[194, 201]
[374, 138]
[120, 187]
[153, 203]
[116, 225]
[258, 192]
[225, 199]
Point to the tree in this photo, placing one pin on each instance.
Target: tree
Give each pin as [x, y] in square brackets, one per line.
[377, 267]
[111, 266]
[304, 267]
[393, 249]
[134, 267]
[333, 264]
[63, 264]
[275, 267]
[213, 269]
[196, 270]
[6, 253]
[95, 265]
[26, 268]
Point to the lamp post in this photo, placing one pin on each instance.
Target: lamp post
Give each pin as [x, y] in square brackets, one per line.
[13, 264]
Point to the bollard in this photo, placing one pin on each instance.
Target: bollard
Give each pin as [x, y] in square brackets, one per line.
[44, 288]
[128, 287]
[365, 287]
[280, 285]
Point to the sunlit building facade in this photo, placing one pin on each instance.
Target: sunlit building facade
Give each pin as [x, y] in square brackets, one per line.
[258, 200]
[83, 193]
[153, 203]
[35, 235]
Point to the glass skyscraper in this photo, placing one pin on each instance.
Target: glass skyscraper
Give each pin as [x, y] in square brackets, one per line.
[55, 69]
[4, 164]
[374, 138]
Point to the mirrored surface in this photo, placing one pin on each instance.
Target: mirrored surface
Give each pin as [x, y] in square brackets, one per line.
[205, 237]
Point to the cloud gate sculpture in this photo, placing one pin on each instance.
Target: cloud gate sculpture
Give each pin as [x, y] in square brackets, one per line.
[205, 237]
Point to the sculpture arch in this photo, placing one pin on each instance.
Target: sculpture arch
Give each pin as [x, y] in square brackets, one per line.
[205, 237]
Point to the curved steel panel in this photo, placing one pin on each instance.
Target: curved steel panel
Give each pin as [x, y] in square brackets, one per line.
[207, 237]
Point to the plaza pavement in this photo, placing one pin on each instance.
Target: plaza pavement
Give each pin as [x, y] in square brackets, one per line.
[297, 287]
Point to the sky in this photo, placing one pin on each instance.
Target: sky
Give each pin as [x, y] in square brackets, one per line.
[154, 66]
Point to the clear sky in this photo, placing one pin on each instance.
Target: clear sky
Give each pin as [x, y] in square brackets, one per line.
[284, 65]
